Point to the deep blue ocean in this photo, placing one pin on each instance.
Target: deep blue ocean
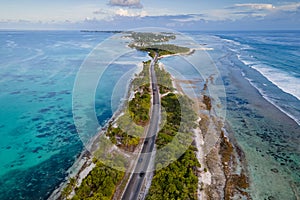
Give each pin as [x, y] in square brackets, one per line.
[39, 142]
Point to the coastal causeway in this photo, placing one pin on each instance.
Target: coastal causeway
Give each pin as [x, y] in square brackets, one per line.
[166, 132]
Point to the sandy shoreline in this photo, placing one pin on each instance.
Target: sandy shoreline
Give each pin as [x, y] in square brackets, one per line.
[84, 164]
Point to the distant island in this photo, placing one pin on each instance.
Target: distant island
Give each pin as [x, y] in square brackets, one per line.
[97, 31]
[156, 43]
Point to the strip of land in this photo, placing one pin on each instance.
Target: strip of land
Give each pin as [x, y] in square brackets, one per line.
[194, 174]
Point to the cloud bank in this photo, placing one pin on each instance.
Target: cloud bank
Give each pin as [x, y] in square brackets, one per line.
[246, 16]
[126, 3]
[256, 6]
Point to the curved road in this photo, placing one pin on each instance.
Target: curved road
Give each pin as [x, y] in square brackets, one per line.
[134, 186]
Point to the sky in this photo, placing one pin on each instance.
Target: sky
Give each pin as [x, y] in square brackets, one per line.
[172, 14]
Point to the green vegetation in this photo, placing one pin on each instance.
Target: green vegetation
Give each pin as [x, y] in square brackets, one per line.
[180, 117]
[143, 78]
[172, 106]
[99, 184]
[139, 106]
[164, 49]
[68, 189]
[128, 130]
[144, 38]
[154, 43]
[127, 125]
[177, 181]
[102, 180]
[175, 136]
[120, 138]
[163, 79]
[109, 155]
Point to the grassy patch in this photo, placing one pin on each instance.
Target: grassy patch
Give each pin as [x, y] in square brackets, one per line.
[177, 181]
[139, 107]
[163, 79]
[166, 49]
[143, 78]
[99, 184]
[120, 138]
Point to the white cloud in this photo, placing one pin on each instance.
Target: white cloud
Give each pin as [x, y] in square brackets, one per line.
[190, 18]
[101, 12]
[123, 12]
[143, 13]
[130, 13]
[249, 10]
[126, 3]
[267, 7]
[256, 6]
[289, 7]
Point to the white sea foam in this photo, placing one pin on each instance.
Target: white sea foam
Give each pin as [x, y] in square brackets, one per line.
[237, 44]
[245, 61]
[243, 74]
[11, 44]
[233, 42]
[38, 53]
[265, 96]
[281, 79]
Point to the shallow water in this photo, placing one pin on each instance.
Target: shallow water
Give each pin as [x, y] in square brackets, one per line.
[39, 140]
[262, 115]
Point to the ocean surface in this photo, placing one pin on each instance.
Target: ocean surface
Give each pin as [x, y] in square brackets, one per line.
[259, 70]
[39, 141]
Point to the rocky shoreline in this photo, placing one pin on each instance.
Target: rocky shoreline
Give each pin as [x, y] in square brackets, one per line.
[223, 173]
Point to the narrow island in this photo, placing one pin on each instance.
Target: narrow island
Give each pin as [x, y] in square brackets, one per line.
[183, 122]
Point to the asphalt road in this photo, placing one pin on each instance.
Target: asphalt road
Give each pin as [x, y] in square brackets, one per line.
[134, 186]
